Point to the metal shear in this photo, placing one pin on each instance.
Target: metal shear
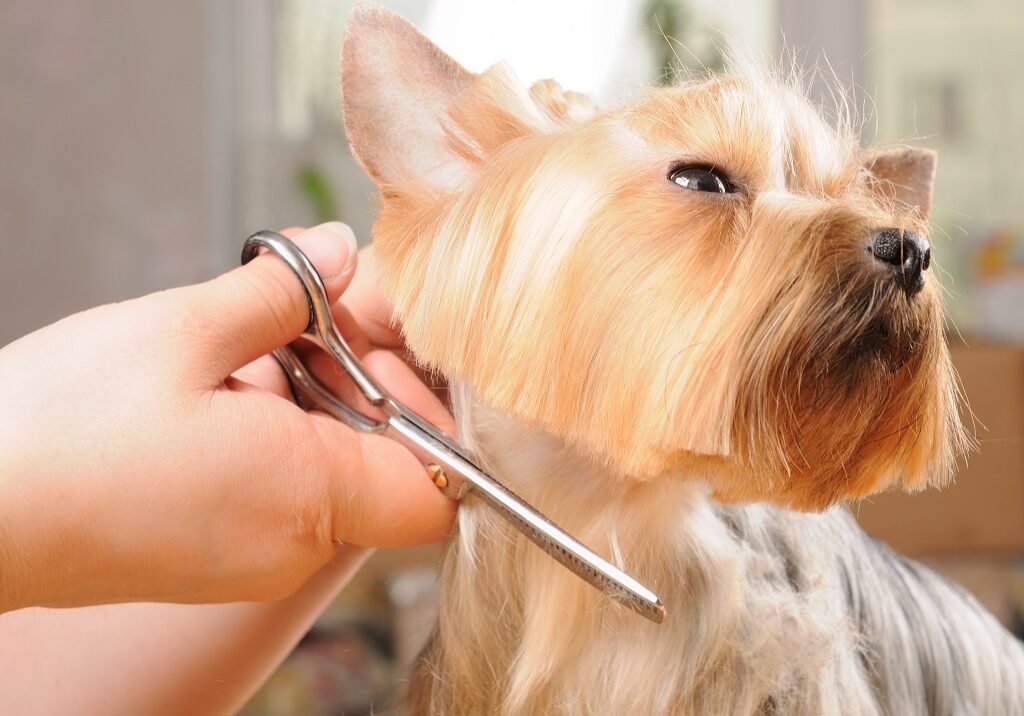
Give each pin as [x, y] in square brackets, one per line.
[448, 464]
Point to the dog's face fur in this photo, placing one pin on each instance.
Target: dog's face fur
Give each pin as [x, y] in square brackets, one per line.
[548, 254]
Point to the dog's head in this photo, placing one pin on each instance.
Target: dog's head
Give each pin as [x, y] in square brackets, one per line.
[710, 281]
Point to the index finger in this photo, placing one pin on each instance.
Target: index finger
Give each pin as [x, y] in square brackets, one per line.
[369, 306]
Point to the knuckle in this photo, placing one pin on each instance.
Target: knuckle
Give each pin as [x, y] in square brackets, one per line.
[343, 464]
[312, 532]
[182, 327]
[192, 322]
[313, 529]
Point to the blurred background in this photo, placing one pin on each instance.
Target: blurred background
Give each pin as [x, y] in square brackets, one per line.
[141, 141]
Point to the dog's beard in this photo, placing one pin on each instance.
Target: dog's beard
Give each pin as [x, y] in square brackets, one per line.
[852, 398]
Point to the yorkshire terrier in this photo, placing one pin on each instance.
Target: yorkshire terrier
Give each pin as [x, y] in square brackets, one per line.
[686, 328]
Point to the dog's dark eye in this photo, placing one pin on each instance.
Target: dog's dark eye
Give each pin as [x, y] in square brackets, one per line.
[702, 179]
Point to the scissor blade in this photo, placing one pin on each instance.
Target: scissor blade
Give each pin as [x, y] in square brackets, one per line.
[567, 550]
[570, 552]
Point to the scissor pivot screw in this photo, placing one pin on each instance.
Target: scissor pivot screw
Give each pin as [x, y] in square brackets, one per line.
[436, 473]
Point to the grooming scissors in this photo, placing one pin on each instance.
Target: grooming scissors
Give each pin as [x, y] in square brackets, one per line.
[447, 463]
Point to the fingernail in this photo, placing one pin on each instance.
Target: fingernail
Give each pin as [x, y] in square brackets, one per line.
[331, 247]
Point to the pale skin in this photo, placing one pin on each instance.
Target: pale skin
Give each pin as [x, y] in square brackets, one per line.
[156, 476]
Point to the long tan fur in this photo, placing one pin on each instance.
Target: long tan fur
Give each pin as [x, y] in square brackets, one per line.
[633, 357]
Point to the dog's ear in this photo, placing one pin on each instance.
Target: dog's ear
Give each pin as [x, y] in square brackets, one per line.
[397, 88]
[905, 175]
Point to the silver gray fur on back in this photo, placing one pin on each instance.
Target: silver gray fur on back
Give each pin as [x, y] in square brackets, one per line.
[926, 645]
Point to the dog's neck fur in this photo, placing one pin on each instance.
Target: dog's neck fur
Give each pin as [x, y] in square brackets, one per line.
[554, 626]
[761, 603]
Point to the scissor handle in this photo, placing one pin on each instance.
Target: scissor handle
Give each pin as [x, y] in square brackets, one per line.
[306, 384]
[320, 320]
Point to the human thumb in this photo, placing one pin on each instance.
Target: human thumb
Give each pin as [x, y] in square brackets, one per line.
[261, 306]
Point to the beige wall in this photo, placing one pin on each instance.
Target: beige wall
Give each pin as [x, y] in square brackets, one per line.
[975, 50]
[111, 163]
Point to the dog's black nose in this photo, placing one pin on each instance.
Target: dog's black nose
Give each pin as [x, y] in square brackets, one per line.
[908, 254]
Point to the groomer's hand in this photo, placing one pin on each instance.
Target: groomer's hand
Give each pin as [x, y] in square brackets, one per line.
[150, 450]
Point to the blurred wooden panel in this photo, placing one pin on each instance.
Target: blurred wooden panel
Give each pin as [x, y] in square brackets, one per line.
[984, 509]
